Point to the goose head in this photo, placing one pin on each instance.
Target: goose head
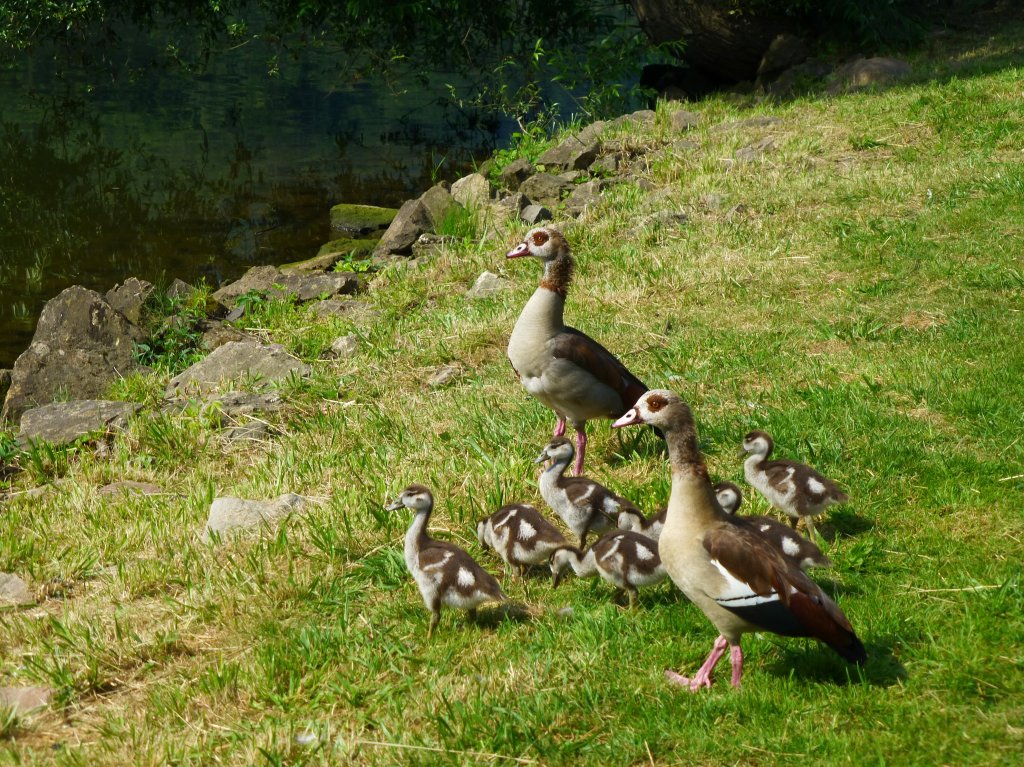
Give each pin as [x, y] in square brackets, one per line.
[560, 560]
[758, 443]
[661, 408]
[543, 242]
[415, 497]
[729, 496]
[559, 450]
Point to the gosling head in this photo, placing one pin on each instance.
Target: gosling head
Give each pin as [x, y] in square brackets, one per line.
[729, 496]
[758, 443]
[559, 450]
[415, 497]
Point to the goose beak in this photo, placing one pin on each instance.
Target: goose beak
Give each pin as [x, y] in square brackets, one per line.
[631, 417]
[395, 505]
[520, 250]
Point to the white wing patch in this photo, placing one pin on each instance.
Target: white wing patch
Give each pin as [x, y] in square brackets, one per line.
[466, 578]
[790, 546]
[815, 486]
[740, 594]
[643, 553]
[526, 531]
[438, 565]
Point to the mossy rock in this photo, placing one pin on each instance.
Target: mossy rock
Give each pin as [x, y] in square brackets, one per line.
[361, 220]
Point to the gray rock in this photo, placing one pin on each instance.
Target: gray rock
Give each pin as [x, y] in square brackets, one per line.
[412, 220]
[510, 206]
[607, 165]
[13, 590]
[586, 195]
[444, 375]
[234, 404]
[360, 220]
[761, 121]
[785, 51]
[438, 203]
[571, 154]
[322, 262]
[427, 243]
[234, 514]
[535, 214]
[641, 118]
[254, 431]
[179, 289]
[130, 487]
[129, 298]
[22, 700]
[345, 346]
[81, 344]
[864, 73]
[545, 188]
[516, 172]
[259, 279]
[216, 333]
[755, 150]
[306, 287]
[249, 361]
[63, 422]
[682, 120]
[487, 284]
[5, 382]
[591, 132]
[473, 191]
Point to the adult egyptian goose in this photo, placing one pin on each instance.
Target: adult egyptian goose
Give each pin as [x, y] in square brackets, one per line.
[565, 369]
[520, 535]
[793, 546]
[625, 559]
[794, 488]
[583, 504]
[444, 573]
[732, 573]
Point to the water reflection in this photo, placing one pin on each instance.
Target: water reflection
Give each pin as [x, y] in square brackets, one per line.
[160, 173]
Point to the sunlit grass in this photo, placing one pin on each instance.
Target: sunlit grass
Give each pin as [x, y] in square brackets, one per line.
[857, 292]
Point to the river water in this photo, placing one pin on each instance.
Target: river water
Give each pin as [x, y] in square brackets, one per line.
[117, 164]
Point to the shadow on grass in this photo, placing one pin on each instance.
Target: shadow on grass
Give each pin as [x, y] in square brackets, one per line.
[843, 523]
[636, 443]
[515, 612]
[817, 663]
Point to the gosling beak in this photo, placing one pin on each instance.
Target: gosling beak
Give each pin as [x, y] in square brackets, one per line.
[556, 578]
[395, 505]
[520, 250]
[631, 417]
[542, 457]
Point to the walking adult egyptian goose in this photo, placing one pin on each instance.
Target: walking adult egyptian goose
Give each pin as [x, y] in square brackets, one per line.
[520, 535]
[444, 573]
[793, 546]
[737, 578]
[565, 369]
[794, 488]
[583, 504]
[625, 559]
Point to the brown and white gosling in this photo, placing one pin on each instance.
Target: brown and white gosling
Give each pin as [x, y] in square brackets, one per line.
[565, 369]
[794, 488]
[444, 573]
[735, 576]
[625, 559]
[520, 535]
[583, 504]
[793, 546]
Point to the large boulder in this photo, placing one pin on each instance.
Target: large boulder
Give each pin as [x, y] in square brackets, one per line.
[271, 281]
[439, 204]
[473, 191]
[236, 514]
[129, 297]
[361, 220]
[571, 154]
[247, 361]
[81, 344]
[545, 188]
[413, 219]
[63, 422]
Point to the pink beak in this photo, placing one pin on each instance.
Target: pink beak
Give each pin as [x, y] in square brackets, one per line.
[520, 250]
[631, 417]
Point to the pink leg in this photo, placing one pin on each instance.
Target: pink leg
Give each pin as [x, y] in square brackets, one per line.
[703, 675]
[560, 427]
[581, 448]
[736, 658]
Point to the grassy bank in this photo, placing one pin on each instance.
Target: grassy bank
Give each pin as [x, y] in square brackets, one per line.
[857, 292]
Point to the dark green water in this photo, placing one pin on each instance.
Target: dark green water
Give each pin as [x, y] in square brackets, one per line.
[120, 165]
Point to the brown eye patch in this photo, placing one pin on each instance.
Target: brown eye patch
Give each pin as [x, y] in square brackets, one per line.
[539, 238]
[656, 403]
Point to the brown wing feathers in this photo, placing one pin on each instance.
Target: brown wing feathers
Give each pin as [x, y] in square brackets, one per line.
[584, 351]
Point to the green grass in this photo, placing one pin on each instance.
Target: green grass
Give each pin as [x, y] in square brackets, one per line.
[864, 306]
